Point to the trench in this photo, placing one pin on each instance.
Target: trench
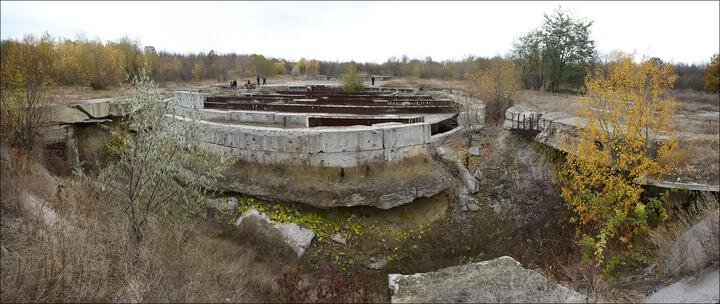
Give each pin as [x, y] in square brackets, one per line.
[424, 235]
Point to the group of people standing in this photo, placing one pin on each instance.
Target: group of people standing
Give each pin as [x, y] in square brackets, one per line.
[234, 83]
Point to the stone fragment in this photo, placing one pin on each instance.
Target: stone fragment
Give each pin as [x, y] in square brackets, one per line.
[338, 238]
[501, 280]
[298, 238]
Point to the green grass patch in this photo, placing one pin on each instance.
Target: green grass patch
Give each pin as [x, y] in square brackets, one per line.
[322, 224]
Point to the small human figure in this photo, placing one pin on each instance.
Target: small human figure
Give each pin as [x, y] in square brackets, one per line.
[372, 80]
[258, 79]
[263, 80]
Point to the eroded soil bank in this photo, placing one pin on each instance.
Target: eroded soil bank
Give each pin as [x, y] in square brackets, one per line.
[519, 216]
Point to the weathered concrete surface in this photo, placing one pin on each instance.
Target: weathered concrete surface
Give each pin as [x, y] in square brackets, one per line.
[338, 238]
[97, 108]
[332, 147]
[264, 137]
[82, 111]
[272, 119]
[68, 115]
[501, 280]
[695, 248]
[296, 237]
[704, 288]
[472, 110]
[187, 99]
[271, 151]
[382, 186]
[468, 183]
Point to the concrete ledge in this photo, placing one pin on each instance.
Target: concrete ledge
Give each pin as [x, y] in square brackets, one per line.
[559, 130]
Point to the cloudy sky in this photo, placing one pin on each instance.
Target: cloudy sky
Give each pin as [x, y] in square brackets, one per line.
[370, 31]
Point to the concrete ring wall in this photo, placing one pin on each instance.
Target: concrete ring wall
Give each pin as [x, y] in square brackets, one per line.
[321, 146]
[332, 147]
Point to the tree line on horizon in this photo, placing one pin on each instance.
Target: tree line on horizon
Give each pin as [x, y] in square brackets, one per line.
[555, 56]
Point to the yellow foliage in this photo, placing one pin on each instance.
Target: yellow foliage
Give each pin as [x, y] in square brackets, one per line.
[103, 65]
[309, 67]
[27, 72]
[197, 71]
[628, 130]
[280, 67]
[712, 75]
[352, 82]
[68, 66]
[495, 85]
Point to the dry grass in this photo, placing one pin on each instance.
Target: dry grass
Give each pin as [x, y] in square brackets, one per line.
[586, 279]
[425, 83]
[84, 252]
[63, 94]
[682, 248]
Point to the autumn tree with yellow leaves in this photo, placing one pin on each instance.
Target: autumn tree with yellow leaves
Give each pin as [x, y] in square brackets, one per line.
[712, 75]
[352, 81]
[495, 85]
[626, 135]
[26, 76]
[102, 65]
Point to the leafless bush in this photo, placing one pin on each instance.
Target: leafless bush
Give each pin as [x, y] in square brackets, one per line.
[332, 286]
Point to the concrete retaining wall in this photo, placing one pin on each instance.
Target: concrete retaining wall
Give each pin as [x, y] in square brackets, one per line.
[190, 99]
[331, 147]
[286, 120]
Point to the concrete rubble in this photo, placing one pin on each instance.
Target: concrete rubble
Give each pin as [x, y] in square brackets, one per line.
[469, 183]
[338, 238]
[501, 280]
[702, 288]
[298, 238]
[377, 263]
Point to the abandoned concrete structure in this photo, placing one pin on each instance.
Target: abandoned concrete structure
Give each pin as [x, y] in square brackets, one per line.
[313, 145]
[559, 130]
[376, 148]
[324, 127]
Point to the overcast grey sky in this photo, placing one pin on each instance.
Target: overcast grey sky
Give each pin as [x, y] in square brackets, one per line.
[370, 31]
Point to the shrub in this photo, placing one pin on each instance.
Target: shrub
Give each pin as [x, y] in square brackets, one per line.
[159, 161]
[712, 75]
[331, 287]
[625, 114]
[352, 82]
